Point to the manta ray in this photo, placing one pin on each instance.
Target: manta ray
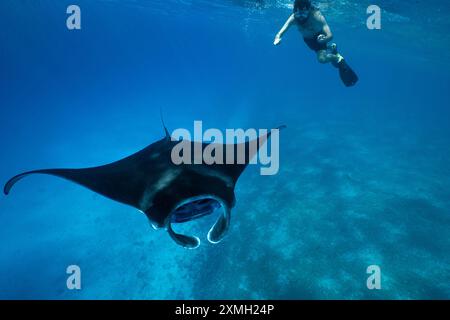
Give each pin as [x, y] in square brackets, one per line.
[166, 193]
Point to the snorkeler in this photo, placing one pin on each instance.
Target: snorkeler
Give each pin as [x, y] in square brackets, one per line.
[317, 36]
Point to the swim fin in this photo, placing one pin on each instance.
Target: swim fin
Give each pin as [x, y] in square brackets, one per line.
[348, 76]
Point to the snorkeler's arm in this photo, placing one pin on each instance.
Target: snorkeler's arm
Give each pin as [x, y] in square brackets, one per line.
[285, 27]
[326, 35]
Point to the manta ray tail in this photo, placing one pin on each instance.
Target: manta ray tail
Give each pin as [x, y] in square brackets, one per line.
[166, 132]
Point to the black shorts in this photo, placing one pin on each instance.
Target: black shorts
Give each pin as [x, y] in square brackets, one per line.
[314, 45]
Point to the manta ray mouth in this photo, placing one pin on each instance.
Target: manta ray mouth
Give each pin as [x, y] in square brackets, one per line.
[195, 208]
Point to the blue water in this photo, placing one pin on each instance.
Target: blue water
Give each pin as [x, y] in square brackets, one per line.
[364, 176]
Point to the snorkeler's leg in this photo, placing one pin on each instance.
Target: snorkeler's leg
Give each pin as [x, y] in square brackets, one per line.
[347, 75]
[325, 57]
[332, 47]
